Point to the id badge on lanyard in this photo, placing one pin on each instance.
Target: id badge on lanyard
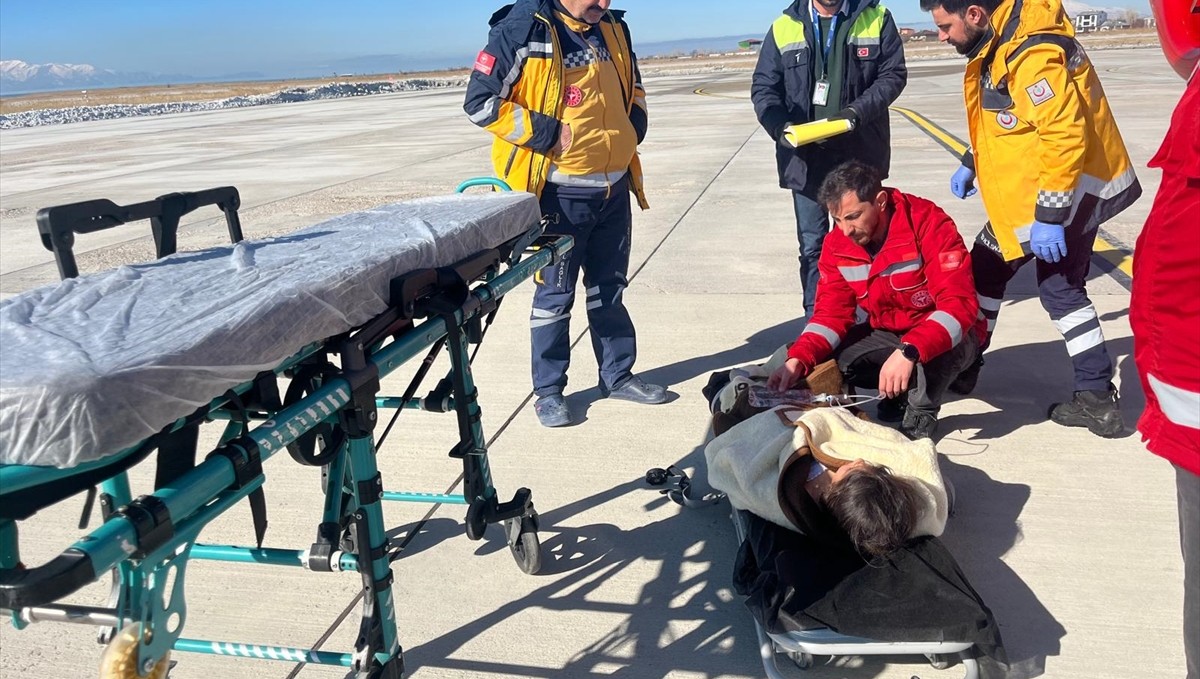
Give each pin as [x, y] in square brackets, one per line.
[821, 88]
[821, 92]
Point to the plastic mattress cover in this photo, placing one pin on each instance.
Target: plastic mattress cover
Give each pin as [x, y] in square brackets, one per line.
[93, 365]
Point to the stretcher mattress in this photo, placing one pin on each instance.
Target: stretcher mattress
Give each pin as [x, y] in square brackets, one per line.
[93, 365]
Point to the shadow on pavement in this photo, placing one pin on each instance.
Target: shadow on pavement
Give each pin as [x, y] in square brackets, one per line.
[1022, 382]
[684, 620]
[756, 349]
[984, 527]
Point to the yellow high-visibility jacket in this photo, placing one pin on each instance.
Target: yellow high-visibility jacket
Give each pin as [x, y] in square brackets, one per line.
[1044, 141]
[518, 93]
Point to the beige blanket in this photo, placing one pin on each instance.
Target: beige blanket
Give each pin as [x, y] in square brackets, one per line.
[745, 462]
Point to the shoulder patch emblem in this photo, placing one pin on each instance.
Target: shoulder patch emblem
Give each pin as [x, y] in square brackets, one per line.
[1006, 120]
[1040, 92]
[484, 63]
[950, 260]
[921, 299]
[573, 96]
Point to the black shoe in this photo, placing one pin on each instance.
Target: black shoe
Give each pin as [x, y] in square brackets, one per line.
[636, 390]
[552, 411]
[1098, 410]
[965, 382]
[918, 424]
[892, 409]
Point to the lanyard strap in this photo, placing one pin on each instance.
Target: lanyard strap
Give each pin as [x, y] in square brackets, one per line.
[833, 22]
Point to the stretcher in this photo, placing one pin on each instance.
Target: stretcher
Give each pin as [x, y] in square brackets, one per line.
[101, 371]
[801, 646]
[768, 564]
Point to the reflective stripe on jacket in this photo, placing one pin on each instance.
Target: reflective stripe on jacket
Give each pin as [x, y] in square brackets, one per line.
[516, 91]
[918, 286]
[874, 76]
[1044, 140]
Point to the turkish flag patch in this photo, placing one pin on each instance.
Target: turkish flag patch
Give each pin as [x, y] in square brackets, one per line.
[864, 52]
[484, 63]
[950, 260]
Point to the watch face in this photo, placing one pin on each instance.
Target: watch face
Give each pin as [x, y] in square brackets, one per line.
[910, 352]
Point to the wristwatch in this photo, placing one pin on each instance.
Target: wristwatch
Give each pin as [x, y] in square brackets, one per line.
[910, 352]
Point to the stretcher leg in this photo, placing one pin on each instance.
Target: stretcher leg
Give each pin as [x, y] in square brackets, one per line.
[377, 649]
[517, 515]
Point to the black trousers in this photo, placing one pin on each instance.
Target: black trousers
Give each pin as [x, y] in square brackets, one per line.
[1063, 292]
[864, 350]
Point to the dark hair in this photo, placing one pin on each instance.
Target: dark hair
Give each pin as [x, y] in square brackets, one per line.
[851, 175]
[959, 7]
[876, 509]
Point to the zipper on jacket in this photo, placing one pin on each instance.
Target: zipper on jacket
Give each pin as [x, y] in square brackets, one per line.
[546, 90]
[512, 155]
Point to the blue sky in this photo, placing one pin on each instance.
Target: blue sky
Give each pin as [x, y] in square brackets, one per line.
[215, 37]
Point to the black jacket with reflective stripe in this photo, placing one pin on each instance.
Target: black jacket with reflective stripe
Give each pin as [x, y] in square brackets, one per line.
[874, 77]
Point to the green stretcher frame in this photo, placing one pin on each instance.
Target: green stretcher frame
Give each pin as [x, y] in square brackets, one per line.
[147, 543]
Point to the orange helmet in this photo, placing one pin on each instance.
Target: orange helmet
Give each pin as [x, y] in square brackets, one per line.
[1179, 29]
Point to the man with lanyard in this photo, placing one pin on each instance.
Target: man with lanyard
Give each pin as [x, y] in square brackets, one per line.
[822, 59]
[1052, 167]
[558, 86]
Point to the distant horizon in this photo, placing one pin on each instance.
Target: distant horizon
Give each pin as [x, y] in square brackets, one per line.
[281, 39]
[382, 65]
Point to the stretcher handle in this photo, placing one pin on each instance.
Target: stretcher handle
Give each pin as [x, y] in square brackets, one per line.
[497, 184]
[22, 587]
[58, 225]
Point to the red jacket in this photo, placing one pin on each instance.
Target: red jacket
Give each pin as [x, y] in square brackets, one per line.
[1165, 308]
[919, 285]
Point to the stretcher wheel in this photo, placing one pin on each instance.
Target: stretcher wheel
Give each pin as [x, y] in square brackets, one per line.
[119, 660]
[476, 521]
[527, 548]
[803, 660]
[938, 661]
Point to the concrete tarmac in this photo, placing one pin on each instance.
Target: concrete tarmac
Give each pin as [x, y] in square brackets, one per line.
[1072, 540]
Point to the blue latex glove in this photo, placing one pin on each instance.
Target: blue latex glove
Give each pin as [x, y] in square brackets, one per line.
[1048, 241]
[962, 183]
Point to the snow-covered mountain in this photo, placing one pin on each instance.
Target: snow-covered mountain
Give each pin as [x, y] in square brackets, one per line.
[19, 76]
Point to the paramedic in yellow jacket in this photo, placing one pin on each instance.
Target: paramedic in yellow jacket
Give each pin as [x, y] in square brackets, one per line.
[558, 86]
[1052, 167]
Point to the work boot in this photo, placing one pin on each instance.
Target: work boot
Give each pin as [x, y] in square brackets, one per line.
[918, 424]
[552, 411]
[635, 389]
[965, 382]
[1097, 409]
[892, 409]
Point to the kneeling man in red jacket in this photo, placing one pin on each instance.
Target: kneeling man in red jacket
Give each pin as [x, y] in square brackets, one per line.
[896, 304]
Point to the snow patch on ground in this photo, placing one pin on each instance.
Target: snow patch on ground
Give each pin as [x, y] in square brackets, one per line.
[59, 116]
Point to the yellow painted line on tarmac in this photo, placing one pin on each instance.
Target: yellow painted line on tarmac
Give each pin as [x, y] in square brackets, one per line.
[1112, 254]
[705, 93]
[948, 141]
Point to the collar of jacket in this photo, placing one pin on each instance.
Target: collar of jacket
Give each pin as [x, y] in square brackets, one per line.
[900, 232]
[523, 13]
[572, 24]
[801, 10]
[1015, 20]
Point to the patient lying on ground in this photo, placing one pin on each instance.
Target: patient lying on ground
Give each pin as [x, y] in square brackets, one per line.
[839, 518]
[826, 473]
